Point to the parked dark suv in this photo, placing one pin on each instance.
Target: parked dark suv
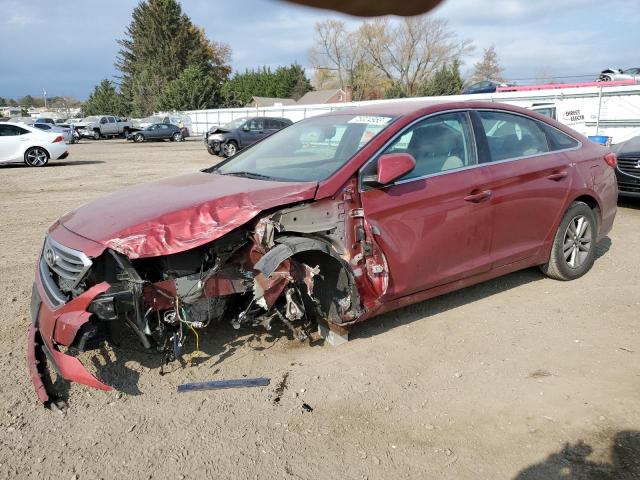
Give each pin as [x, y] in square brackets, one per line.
[628, 171]
[232, 137]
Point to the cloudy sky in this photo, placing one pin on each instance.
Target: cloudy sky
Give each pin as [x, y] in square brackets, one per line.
[68, 47]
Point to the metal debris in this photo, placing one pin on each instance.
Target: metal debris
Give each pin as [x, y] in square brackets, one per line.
[223, 384]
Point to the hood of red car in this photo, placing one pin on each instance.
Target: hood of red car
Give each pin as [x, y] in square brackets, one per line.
[176, 214]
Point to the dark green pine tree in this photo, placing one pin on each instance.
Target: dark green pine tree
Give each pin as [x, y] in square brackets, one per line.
[160, 43]
[284, 82]
[105, 100]
[446, 81]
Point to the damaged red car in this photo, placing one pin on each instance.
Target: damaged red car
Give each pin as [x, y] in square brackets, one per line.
[328, 222]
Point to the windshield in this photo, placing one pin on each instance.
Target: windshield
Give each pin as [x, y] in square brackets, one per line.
[234, 123]
[307, 151]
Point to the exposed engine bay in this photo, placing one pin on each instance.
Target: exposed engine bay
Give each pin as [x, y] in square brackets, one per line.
[313, 263]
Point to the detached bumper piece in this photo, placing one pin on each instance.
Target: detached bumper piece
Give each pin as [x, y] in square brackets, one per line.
[52, 329]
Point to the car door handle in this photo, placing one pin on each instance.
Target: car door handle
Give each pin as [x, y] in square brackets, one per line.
[478, 196]
[558, 176]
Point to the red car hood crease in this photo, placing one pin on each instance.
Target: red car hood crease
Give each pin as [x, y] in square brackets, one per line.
[179, 213]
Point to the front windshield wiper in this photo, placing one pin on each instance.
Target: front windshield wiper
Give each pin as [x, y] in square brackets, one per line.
[246, 175]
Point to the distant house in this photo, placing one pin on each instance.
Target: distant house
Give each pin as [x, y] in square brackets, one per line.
[270, 102]
[336, 95]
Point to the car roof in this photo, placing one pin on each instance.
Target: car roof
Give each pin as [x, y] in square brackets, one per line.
[410, 107]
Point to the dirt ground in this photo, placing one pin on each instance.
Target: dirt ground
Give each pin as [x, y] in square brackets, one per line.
[518, 378]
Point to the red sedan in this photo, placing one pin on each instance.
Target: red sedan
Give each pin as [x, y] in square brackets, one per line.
[328, 222]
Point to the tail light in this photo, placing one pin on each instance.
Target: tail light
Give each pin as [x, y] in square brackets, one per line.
[58, 139]
[611, 159]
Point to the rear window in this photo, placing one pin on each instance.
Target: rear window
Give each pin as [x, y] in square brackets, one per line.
[559, 140]
[512, 136]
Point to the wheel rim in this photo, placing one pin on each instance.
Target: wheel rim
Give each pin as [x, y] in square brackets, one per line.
[138, 138]
[37, 157]
[176, 137]
[230, 149]
[578, 239]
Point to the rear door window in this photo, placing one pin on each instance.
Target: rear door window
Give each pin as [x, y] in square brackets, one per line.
[558, 140]
[512, 136]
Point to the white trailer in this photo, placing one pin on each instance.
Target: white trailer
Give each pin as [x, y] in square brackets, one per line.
[594, 109]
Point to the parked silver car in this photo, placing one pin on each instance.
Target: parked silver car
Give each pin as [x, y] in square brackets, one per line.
[616, 74]
[67, 133]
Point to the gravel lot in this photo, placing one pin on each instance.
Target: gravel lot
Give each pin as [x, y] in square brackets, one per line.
[521, 377]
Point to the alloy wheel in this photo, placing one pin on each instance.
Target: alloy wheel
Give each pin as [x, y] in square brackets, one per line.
[229, 149]
[578, 239]
[37, 157]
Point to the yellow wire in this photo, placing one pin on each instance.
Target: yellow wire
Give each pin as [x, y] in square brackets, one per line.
[197, 352]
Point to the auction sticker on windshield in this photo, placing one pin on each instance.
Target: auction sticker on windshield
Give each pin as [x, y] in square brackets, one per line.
[370, 120]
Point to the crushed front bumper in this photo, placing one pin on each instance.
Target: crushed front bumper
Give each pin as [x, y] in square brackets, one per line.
[52, 329]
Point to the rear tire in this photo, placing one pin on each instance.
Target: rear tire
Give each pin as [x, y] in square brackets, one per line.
[36, 157]
[574, 245]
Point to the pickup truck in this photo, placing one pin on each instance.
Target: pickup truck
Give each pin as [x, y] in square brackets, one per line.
[106, 126]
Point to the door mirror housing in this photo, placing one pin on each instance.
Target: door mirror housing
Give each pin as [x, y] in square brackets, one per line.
[245, 127]
[393, 166]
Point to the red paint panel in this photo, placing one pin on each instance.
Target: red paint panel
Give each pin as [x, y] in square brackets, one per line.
[177, 214]
[429, 234]
[527, 199]
[41, 390]
[73, 314]
[68, 325]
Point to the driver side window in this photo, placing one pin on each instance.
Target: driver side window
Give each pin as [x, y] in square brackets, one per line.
[256, 124]
[438, 144]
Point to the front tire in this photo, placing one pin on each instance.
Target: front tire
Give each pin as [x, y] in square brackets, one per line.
[229, 149]
[574, 246]
[96, 135]
[138, 138]
[177, 137]
[211, 150]
[36, 157]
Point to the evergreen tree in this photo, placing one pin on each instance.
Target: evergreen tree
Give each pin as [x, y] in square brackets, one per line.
[194, 89]
[161, 42]
[104, 100]
[27, 101]
[285, 82]
[395, 90]
[3, 102]
[446, 81]
[488, 68]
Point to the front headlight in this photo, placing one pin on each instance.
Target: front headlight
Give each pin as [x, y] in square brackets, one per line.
[216, 136]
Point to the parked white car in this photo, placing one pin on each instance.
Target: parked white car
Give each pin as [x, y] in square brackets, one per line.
[617, 74]
[21, 143]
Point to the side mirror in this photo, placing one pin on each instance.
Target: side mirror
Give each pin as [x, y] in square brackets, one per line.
[394, 165]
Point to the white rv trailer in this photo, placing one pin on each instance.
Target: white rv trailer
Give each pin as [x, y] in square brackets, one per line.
[592, 109]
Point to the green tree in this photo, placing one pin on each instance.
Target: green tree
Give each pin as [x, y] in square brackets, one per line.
[395, 90]
[194, 89]
[27, 101]
[104, 100]
[160, 43]
[284, 82]
[446, 81]
[3, 102]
